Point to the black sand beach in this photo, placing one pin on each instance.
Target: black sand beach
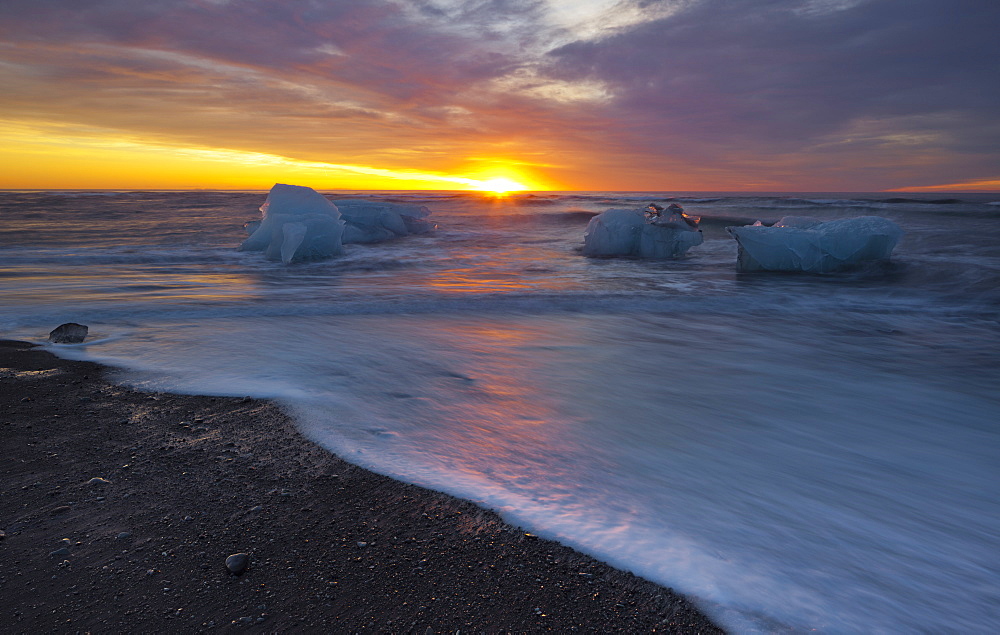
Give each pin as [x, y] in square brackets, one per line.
[119, 509]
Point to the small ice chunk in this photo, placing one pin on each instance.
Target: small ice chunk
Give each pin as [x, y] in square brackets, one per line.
[371, 221]
[299, 224]
[628, 232]
[797, 243]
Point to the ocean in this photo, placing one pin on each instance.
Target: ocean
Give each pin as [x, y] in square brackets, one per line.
[794, 452]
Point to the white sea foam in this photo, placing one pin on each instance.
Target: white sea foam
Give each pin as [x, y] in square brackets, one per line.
[778, 469]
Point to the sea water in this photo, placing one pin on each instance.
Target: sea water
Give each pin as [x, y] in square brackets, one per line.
[794, 452]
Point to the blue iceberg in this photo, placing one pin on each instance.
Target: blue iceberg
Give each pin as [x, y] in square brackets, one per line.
[299, 224]
[635, 233]
[809, 245]
[375, 221]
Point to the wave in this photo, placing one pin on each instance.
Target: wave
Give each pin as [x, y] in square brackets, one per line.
[936, 201]
[571, 217]
[137, 255]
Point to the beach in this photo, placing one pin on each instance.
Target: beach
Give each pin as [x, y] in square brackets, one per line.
[774, 447]
[120, 508]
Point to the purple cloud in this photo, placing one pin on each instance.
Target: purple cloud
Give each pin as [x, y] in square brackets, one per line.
[758, 76]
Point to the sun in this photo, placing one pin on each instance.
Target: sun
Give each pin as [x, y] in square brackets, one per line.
[500, 185]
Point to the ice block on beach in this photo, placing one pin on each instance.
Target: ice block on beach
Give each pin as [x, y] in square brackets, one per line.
[628, 232]
[813, 246]
[299, 224]
[375, 221]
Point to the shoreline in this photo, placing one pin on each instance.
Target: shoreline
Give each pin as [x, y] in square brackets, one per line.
[118, 510]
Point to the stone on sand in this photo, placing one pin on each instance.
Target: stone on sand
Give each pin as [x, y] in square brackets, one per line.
[237, 563]
[69, 333]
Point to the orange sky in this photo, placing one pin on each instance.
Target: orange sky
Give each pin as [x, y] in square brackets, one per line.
[571, 95]
[43, 157]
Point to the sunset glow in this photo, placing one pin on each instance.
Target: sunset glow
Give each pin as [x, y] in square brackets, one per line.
[42, 158]
[581, 95]
[502, 186]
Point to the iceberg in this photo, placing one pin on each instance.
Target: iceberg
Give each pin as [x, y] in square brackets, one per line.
[632, 232]
[796, 243]
[371, 222]
[299, 224]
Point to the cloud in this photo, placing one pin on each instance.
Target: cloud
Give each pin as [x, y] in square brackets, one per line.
[245, 59]
[621, 92]
[778, 77]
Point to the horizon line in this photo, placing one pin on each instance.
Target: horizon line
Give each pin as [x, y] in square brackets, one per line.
[918, 190]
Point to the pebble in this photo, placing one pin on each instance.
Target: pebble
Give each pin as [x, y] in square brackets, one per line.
[97, 480]
[237, 563]
[124, 535]
[61, 551]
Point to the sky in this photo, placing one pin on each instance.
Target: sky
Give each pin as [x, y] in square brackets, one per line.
[608, 95]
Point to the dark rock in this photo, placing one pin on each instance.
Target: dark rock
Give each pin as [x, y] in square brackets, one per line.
[69, 333]
[237, 563]
[61, 551]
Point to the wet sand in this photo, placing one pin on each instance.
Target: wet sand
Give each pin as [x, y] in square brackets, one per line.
[119, 509]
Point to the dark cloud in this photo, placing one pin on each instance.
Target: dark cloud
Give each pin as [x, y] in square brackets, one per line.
[773, 77]
[380, 49]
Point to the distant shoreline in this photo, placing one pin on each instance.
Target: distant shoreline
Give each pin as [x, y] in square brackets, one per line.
[119, 509]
